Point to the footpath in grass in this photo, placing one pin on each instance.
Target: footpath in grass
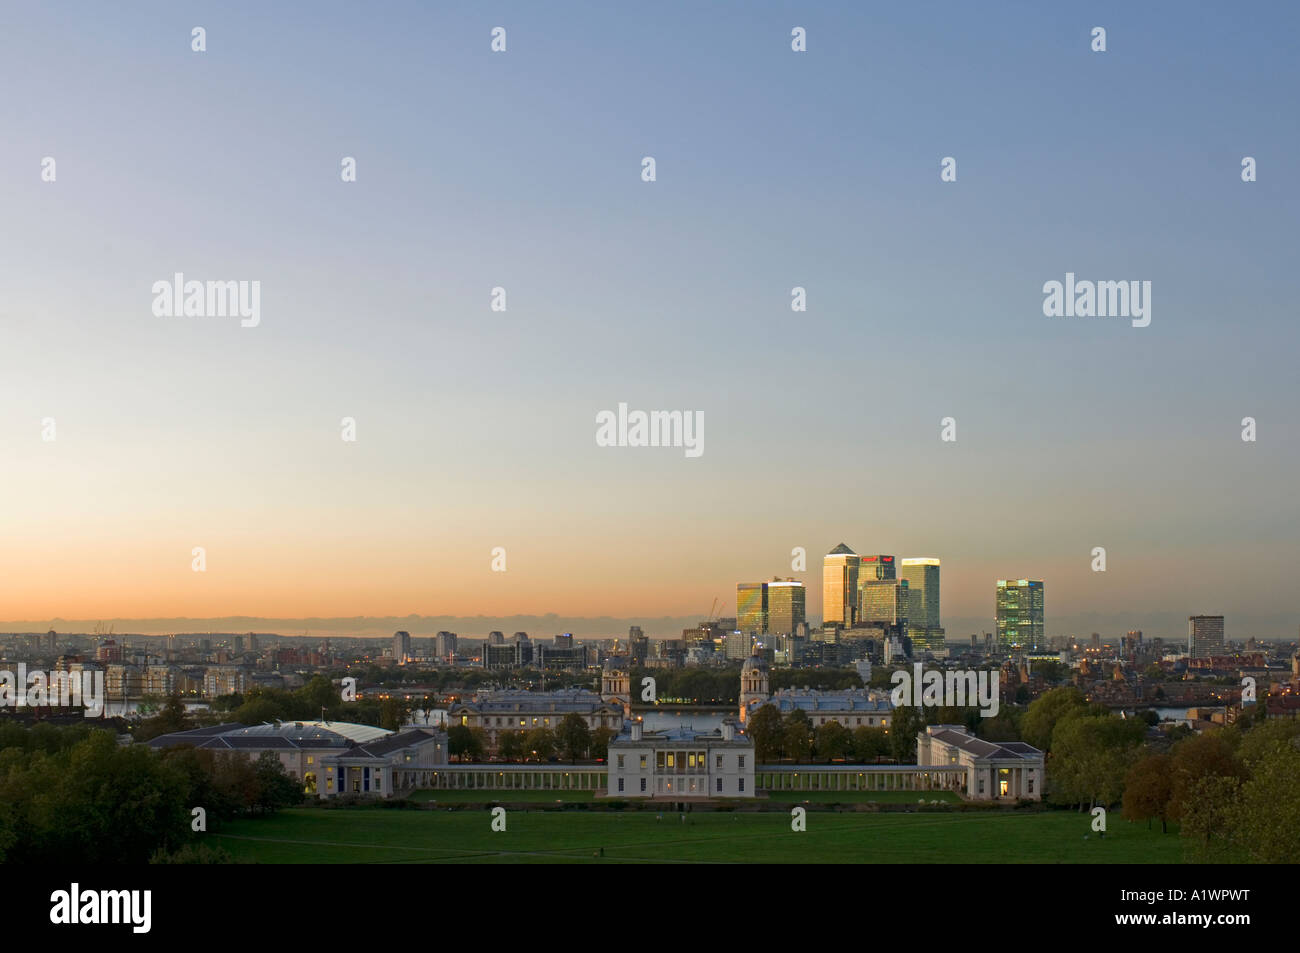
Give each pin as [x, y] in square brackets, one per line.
[377, 835]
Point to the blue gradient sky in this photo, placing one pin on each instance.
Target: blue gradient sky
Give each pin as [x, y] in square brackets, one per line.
[775, 169]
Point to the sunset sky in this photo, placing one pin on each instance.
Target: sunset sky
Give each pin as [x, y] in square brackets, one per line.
[475, 429]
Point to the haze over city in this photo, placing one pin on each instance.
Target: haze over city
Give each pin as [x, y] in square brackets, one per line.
[475, 429]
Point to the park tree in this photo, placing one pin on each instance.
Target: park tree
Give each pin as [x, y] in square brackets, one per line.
[600, 739]
[320, 694]
[1200, 756]
[765, 728]
[276, 788]
[94, 803]
[797, 735]
[170, 718]
[907, 723]
[1267, 741]
[833, 742]
[235, 781]
[870, 744]
[1147, 790]
[197, 765]
[1207, 804]
[1091, 756]
[392, 713]
[258, 710]
[1004, 726]
[510, 745]
[540, 744]
[573, 736]
[1264, 819]
[464, 744]
[1039, 722]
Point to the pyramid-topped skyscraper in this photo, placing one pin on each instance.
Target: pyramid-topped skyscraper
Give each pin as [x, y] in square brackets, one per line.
[840, 587]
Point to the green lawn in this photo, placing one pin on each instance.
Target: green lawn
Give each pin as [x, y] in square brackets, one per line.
[377, 835]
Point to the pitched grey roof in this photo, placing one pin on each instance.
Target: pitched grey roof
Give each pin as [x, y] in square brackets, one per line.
[194, 736]
[1007, 750]
[511, 702]
[383, 746]
[854, 700]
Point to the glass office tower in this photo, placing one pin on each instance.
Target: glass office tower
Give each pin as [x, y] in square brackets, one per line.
[751, 607]
[786, 600]
[1018, 611]
[840, 586]
[923, 625]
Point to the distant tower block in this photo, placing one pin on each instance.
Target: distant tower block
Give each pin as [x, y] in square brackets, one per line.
[753, 687]
[616, 685]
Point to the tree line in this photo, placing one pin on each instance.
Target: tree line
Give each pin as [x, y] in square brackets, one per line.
[74, 795]
[572, 739]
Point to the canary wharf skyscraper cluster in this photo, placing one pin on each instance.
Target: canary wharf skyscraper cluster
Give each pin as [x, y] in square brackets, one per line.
[880, 596]
[897, 597]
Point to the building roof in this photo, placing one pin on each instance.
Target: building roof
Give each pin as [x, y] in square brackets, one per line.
[508, 702]
[408, 738]
[288, 734]
[847, 700]
[682, 735]
[841, 550]
[1000, 750]
[194, 736]
[313, 730]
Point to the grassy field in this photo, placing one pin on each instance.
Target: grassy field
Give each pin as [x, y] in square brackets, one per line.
[366, 835]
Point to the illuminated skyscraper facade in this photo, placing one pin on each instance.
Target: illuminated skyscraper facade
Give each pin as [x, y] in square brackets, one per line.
[786, 601]
[877, 567]
[1204, 635]
[777, 607]
[923, 625]
[840, 586]
[883, 602]
[751, 607]
[1018, 611]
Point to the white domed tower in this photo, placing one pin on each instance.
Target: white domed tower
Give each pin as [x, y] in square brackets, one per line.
[753, 687]
[616, 685]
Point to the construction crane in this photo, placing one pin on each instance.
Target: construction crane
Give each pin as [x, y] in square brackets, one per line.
[712, 609]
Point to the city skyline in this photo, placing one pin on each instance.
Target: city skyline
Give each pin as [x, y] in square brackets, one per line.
[476, 429]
